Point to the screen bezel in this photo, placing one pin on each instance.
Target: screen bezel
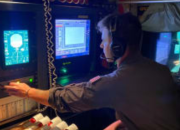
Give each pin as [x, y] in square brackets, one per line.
[56, 57]
[85, 61]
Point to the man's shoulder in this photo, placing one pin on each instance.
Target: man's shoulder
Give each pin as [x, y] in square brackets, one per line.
[156, 64]
[157, 68]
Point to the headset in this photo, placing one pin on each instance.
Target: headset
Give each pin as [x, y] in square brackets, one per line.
[118, 44]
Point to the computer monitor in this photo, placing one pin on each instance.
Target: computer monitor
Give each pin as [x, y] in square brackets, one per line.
[16, 47]
[72, 38]
[168, 50]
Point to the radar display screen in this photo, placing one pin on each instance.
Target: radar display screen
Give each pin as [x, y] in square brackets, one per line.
[72, 38]
[16, 48]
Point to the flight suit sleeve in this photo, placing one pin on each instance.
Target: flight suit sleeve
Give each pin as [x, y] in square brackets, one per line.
[83, 96]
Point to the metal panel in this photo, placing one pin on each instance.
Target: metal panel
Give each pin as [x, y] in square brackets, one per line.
[147, 1]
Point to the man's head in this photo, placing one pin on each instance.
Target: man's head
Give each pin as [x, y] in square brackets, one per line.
[119, 32]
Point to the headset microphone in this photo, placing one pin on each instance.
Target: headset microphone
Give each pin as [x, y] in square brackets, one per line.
[104, 58]
[110, 65]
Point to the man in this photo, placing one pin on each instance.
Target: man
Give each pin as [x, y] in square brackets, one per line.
[141, 91]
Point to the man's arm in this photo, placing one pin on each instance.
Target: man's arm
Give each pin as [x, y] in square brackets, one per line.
[83, 96]
[40, 96]
[65, 99]
[71, 98]
[25, 91]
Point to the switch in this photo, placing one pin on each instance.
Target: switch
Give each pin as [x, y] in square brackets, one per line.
[13, 107]
[18, 107]
[1, 117]
[30, 104]
[26, 105]
[33, 104]
[21, 105]
[4, 112]
[72, 127]
[9, 110]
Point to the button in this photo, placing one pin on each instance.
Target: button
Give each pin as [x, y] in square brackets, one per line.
[4, 113]
[1, 117]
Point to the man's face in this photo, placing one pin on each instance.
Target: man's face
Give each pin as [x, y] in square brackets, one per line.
[106, 43]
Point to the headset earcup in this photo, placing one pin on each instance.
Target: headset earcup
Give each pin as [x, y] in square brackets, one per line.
[118, 47]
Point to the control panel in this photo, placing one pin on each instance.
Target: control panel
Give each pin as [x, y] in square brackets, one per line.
[12, 106]
[22, 60]
[41, 122]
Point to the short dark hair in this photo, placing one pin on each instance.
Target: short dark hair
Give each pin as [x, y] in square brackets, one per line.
[127, 25]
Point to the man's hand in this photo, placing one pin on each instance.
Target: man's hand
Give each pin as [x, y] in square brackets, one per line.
[17, 89]
[176, 62]
[23, 90]
[115, 125]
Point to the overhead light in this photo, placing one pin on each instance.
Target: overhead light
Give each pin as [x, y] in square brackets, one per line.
[11, 2]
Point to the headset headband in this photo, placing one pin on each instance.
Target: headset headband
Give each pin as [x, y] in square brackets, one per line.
[111, 27]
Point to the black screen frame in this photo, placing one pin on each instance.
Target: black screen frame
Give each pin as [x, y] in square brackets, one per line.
[89, 38]
[19, 26]
[83, 63]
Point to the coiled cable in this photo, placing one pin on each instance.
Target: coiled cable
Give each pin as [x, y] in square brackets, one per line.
[50, 50]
